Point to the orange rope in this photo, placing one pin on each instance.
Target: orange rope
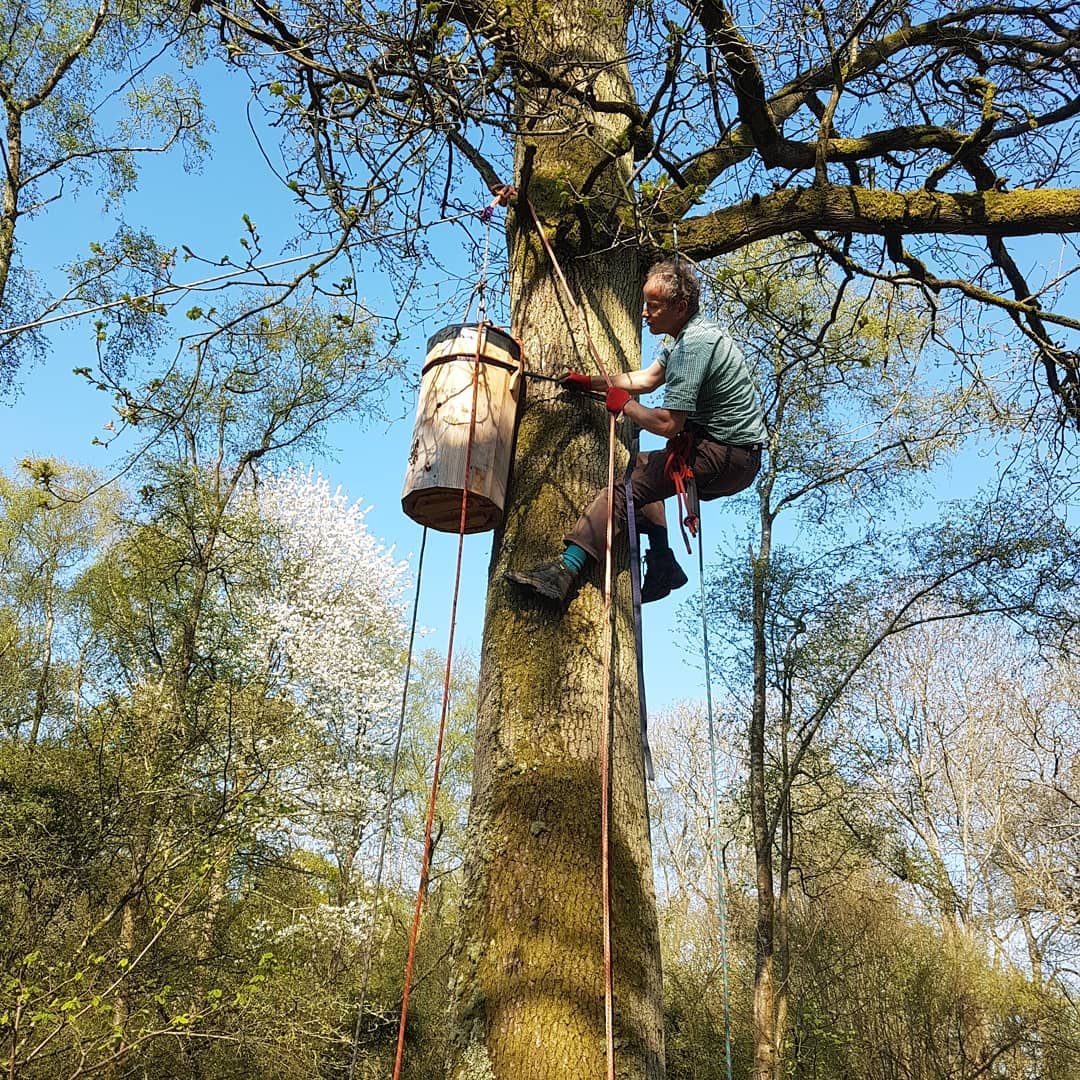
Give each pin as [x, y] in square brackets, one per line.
[481, 336]
[605, 736]
[677, 469]
[391, 788]
[605, 754]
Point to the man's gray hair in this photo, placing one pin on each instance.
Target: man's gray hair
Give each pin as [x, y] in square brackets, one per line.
[678, 281]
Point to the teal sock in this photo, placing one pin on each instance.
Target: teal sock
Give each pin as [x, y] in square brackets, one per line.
[574, 558]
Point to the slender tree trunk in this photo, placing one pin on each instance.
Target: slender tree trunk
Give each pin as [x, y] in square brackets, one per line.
[1034, 949]
[121, 1010]
[41, 695]
[76, 691]
[766, 1057]
[783, 916]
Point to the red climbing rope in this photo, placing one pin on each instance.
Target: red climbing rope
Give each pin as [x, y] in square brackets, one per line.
[677, 470]
[425, 863]
[605, 734]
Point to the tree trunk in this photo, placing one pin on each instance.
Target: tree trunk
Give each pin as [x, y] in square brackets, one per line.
[528, 991]
[766, 1058]
[783, 919]
[529, 985]
[121, 1010]
[9, 209]
[41, 695]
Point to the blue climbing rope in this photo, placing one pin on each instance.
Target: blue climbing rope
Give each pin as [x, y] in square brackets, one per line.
[714, 810]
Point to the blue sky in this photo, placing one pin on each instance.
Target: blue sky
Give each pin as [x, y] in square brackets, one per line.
[56, 414]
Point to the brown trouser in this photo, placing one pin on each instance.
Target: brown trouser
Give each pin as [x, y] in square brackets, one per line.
[719, 469]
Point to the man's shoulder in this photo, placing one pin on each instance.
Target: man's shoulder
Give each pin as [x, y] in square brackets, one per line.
[703, 334]
[695, 342]
[702, 324]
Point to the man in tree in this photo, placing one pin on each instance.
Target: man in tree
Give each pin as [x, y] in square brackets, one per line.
[711, 418]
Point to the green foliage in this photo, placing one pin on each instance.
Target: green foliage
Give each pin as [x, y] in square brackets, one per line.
[879, 984]
[48, 528]
[181, 893]
[878, 992]
[79, 110]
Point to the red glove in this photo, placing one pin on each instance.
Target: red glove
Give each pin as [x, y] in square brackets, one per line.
[574, 380]
[616, 400]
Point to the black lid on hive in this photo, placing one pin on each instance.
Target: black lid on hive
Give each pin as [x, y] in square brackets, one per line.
[456, 330]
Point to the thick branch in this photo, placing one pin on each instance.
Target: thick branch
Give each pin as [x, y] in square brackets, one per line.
[762, 122]
[876, 212]
[63, 64]
[746, 78]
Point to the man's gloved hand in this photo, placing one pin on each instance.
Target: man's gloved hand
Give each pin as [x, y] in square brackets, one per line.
[574, 380]
[616, 400]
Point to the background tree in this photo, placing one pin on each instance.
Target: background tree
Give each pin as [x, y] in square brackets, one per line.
[44, 541]
[847, 442]
[188, 764]
[698, 934]
[85, 93]
[963, 746]
[879, 986]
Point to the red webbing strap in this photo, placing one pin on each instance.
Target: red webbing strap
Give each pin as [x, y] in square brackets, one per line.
[677, 470]
[605, 765]
[635, 595]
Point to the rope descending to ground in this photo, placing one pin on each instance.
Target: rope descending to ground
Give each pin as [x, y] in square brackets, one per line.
[384, 837]
[425, 864]
[714, 810]
[605, 721]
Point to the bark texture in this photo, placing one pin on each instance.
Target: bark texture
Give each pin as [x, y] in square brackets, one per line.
[529, 984]
[528, 990]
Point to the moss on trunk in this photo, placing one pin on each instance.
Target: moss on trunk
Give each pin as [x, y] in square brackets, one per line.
[528, 986]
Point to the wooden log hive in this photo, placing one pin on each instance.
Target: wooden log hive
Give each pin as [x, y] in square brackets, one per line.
[440, 444]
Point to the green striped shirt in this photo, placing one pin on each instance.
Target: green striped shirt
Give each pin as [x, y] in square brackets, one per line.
[707, 376]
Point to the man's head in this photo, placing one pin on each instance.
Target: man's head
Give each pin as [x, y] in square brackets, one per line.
[671, 296]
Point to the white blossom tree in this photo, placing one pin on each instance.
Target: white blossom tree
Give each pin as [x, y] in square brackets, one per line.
[327, 626]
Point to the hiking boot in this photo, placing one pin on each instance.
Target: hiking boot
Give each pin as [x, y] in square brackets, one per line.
[551, 581]
[662, 574]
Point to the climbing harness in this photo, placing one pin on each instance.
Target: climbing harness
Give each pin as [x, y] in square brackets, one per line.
[680, 448]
